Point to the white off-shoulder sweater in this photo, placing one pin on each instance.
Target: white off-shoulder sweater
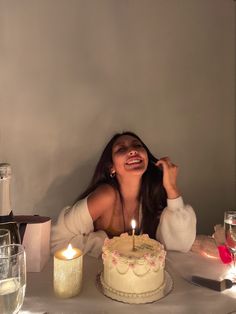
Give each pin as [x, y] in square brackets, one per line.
[176, 230]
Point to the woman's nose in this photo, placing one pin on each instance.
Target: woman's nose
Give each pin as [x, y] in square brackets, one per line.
[132, 152]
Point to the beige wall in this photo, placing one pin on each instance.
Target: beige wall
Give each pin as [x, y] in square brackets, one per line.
[74, 72]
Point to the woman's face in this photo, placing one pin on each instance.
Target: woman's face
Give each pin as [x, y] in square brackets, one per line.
[129, 156]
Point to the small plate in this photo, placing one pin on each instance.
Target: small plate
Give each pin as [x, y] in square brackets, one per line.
[134, 298]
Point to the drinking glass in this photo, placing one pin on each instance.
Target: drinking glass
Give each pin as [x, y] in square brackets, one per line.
[12, 278]
[4, 237]
[230, 233]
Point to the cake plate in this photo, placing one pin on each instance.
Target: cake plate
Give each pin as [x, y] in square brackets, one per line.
[136, 298]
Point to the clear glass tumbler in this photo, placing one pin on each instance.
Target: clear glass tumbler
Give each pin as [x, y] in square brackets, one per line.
[4, 237]
[12, 278]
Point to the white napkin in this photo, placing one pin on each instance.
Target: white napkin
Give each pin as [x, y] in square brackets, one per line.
[219, 234]
[205, 245]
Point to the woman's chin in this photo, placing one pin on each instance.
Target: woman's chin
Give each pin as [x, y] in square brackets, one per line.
[138, 170]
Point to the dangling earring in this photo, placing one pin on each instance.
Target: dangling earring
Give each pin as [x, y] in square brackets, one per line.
[112, 174]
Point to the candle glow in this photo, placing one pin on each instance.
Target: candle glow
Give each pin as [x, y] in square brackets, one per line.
[133, 224]
[69, 253]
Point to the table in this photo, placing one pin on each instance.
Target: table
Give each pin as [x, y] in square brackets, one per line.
[185, 298]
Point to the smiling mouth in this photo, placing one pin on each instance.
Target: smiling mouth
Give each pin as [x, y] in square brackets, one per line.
[134, 161]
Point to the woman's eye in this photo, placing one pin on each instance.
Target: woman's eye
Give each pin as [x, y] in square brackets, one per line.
[138, 145]
[121, 150]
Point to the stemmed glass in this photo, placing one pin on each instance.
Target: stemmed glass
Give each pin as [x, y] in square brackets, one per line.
[12, 278]
[4, 237]
[230, 234]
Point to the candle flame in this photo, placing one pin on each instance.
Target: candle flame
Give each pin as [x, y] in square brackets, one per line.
[69, 252]
[133, 224]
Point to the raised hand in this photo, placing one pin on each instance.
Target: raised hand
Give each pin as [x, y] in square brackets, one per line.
[170, 172]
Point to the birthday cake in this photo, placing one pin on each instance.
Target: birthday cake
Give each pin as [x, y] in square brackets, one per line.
[133, 273]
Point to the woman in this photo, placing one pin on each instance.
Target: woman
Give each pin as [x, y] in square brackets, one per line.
[128, 183]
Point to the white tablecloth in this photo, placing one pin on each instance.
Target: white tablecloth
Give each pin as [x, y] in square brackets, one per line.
[185, 298]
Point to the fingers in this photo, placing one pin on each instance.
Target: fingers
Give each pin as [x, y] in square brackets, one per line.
[165, 162]
[170, 172]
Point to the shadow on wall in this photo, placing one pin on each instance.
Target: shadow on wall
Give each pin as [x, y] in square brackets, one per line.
[64, 190]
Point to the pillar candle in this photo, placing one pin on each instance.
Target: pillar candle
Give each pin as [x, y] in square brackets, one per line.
[68, 269]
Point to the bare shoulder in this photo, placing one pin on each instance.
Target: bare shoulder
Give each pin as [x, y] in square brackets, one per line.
[101, 200]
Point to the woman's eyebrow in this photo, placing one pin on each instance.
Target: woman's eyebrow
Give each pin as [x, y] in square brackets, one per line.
[120, 143]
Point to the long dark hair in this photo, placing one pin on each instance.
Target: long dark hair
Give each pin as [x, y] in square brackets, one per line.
[152, 193]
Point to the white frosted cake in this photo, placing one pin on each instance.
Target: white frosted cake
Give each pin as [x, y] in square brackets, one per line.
[133, 276]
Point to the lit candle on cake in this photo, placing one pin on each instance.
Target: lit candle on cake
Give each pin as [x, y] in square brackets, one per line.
[133, 225]
[68, 268]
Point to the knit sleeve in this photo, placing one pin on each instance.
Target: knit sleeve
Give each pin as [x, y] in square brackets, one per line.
[177, 227]
[75, 226]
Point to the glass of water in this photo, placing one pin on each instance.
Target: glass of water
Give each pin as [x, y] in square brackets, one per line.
[4, 237]
[12, 278]
[230, 233]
